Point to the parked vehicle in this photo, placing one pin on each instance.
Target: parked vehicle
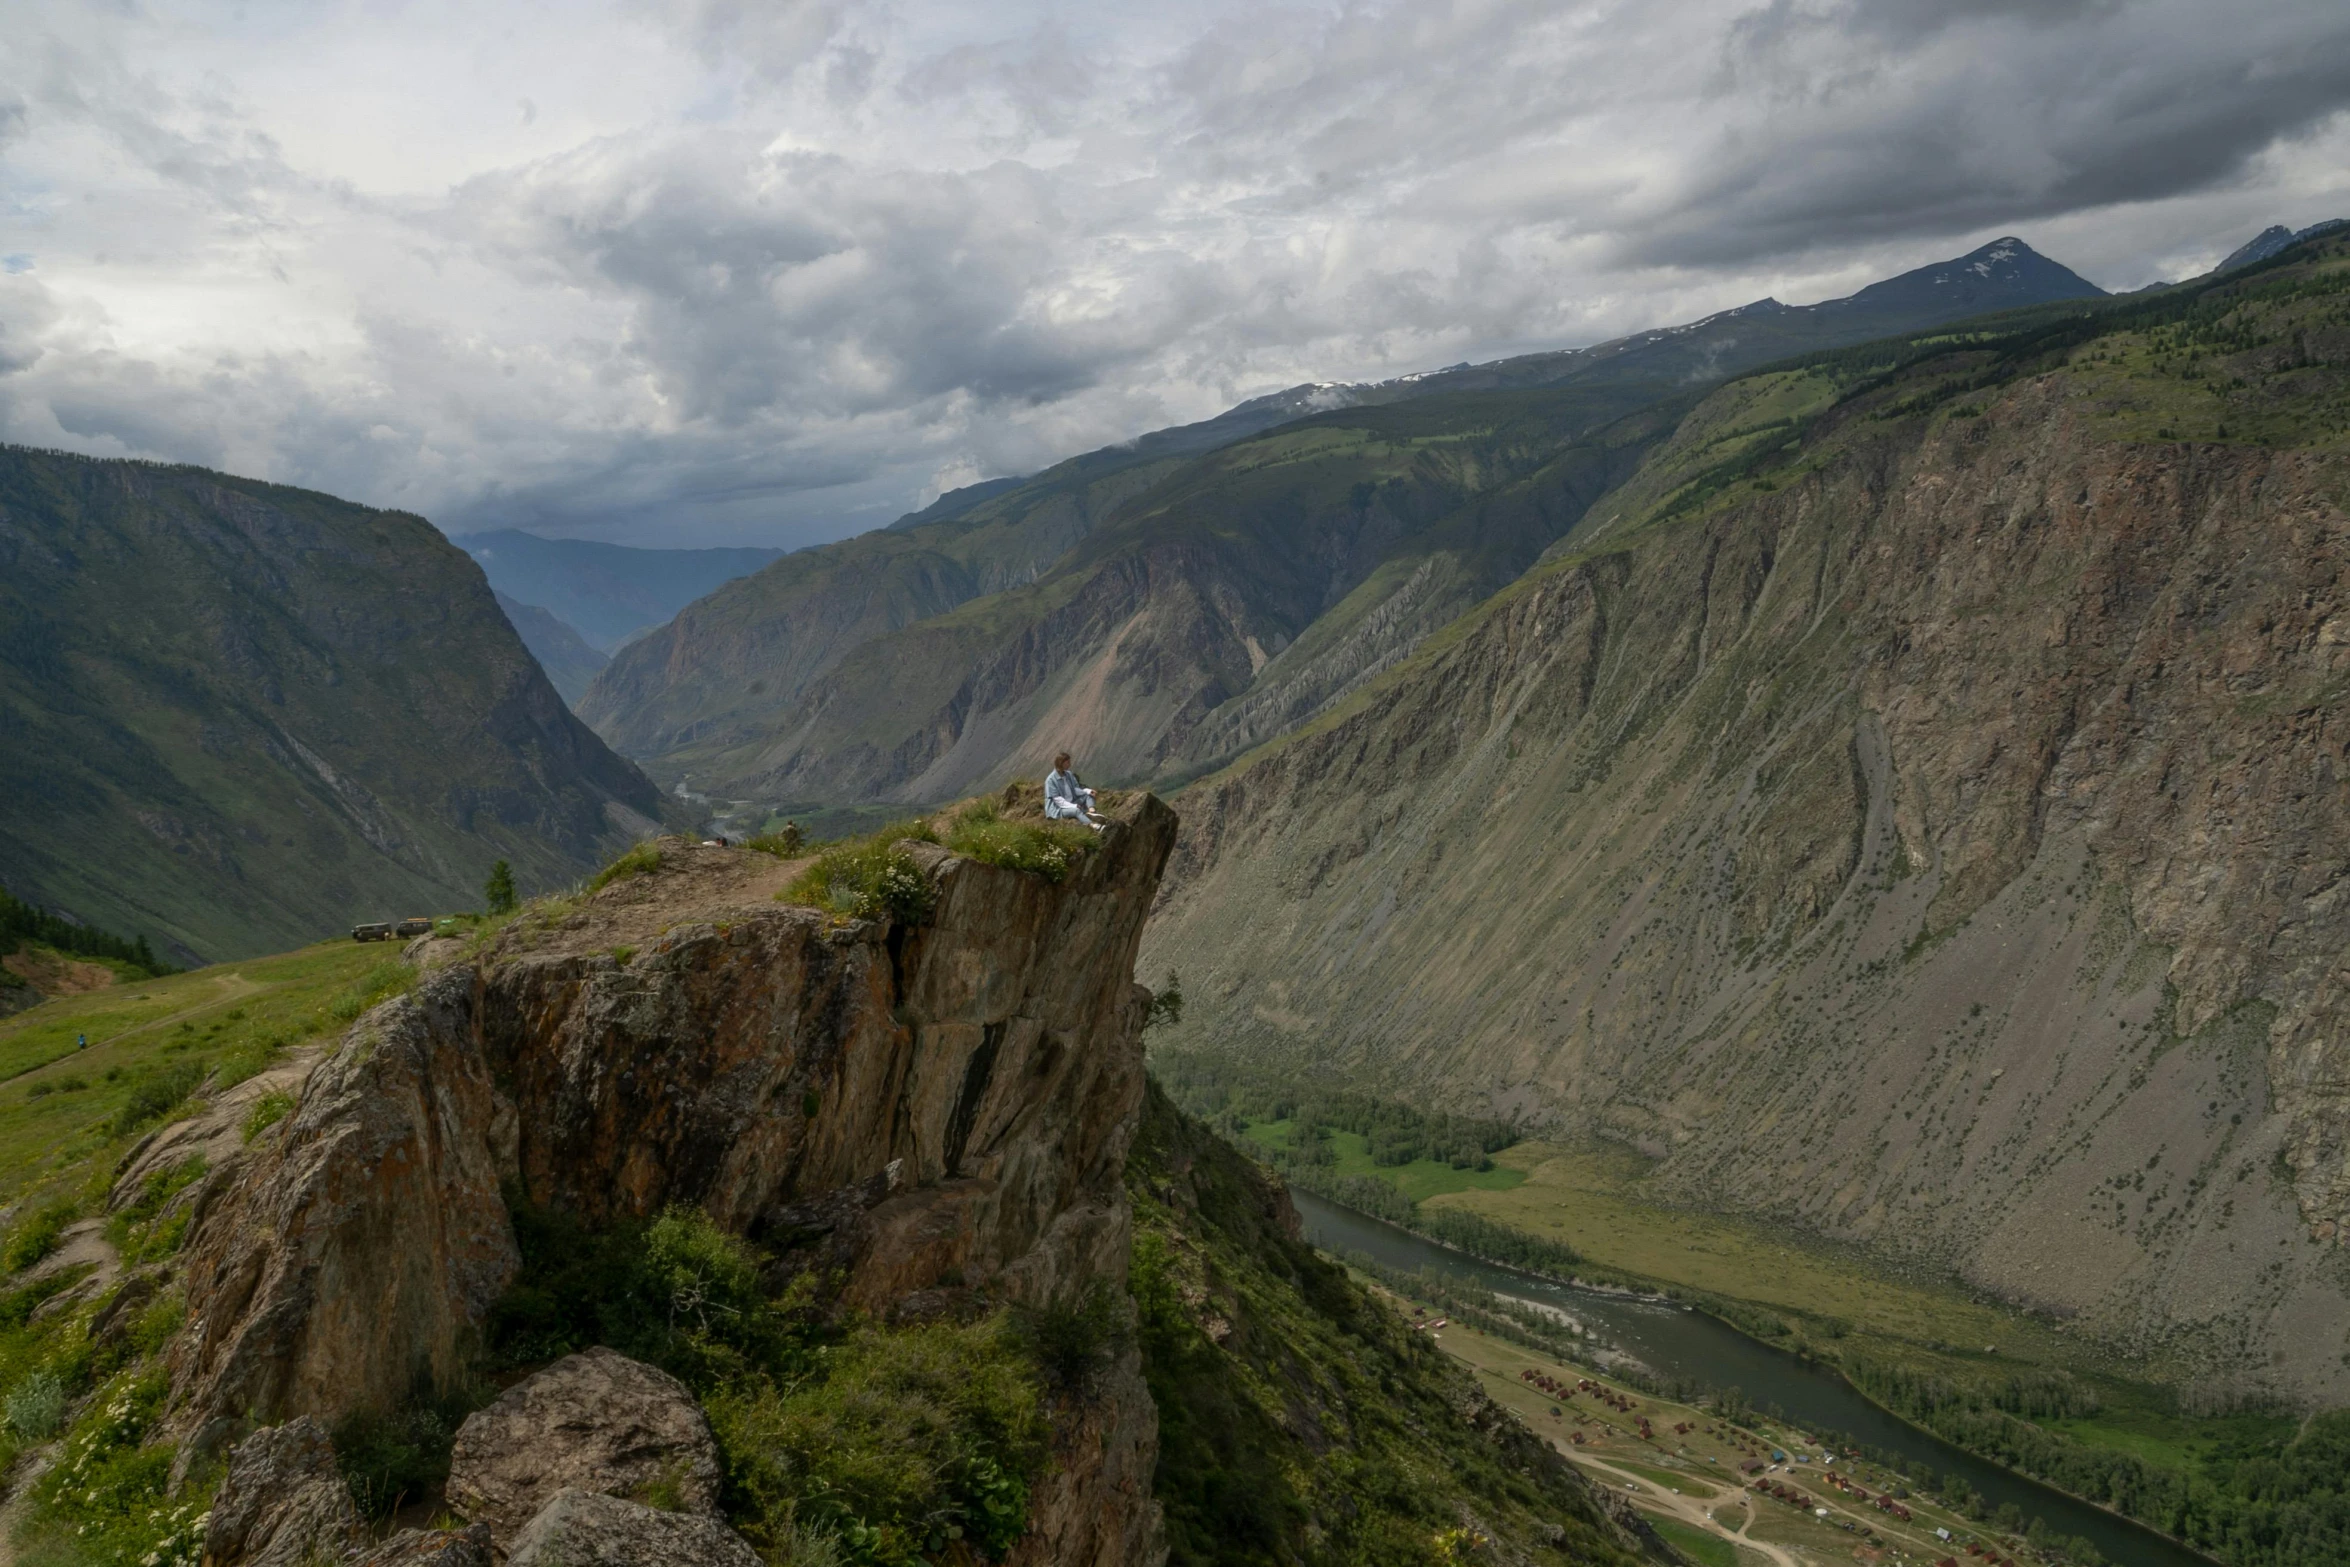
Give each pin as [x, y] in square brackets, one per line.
[376, 932]
[414, 925]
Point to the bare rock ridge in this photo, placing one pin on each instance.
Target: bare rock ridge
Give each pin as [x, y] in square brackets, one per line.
[923, 1113]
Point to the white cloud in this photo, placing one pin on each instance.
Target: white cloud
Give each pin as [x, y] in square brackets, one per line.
[700, 270]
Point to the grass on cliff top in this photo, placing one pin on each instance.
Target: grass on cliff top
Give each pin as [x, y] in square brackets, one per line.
[865, 878]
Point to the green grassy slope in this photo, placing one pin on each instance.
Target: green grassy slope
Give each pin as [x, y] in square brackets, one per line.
[241, 715]
[1300, 1420]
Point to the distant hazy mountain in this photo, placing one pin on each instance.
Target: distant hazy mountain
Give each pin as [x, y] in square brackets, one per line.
[2273, 239]
[561, 651]
[606, 592]
[238, 716]
[1183, 596]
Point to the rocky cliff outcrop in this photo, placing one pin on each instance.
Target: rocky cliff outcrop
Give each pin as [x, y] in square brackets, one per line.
[916, 1115]
[1941, 843]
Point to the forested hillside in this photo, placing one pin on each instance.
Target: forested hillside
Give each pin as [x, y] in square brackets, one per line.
[242, 716]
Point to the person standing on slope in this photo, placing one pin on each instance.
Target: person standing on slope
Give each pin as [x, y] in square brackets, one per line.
[1065, 799]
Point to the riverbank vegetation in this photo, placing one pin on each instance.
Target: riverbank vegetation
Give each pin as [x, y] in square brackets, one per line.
[2253, 1486]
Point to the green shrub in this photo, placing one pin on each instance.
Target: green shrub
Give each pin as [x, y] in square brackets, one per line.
[36, 1234]
[913, 1439]
[156, 1095]
[110, 1491]
[1047, 848]
[135, 1231]
[267, 1111]
[36, 1407]
[1071, 1341]
[642, 860]
[1166, 1004]
[497, 892]
[785, 843]
[68, 1084]
[679, 1293]
[391, 1460]
[17, 1306]
[380, 983]
[867, 878]
[863, 1444]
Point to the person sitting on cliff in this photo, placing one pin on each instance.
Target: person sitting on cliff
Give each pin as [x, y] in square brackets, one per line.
[1065, 799]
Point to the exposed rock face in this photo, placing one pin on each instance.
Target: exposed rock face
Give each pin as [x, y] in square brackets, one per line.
[949, 1104]
[1919, 850]
[596, 1421]
[589, 1529]
[283, 1502]
[431, 1548]
[352, 1261]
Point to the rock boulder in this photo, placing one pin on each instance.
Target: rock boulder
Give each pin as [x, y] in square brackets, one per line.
[585, 1529]
[348, 1263]
[593, 1422]
[283, 1502]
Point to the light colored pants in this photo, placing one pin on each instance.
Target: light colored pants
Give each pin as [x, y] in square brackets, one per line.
[1064, 811]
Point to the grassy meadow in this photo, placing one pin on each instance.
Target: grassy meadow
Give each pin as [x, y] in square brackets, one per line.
[62, 1107]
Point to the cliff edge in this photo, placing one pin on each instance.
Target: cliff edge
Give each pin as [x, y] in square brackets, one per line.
[903, 1124]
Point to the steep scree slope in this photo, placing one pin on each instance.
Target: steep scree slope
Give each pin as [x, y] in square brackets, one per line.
[1188, 591]
[240, 715]
[1916, 809]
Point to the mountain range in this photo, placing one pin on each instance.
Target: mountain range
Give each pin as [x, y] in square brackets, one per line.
[241, 715]
[1881, 767]
[606, 593]
[1912, 810]
[1161, 606]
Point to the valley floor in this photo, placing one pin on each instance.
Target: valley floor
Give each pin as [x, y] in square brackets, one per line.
[1836, 1302]
[1689, 1485]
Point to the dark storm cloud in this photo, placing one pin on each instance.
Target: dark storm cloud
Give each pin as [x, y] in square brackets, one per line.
[781, 270]
[1890, 117]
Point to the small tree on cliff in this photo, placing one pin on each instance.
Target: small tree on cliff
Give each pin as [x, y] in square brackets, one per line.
[498, 891]
[1167, 1005]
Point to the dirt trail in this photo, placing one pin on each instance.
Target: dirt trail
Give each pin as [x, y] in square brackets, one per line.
[1697, 1511]
[227, 987]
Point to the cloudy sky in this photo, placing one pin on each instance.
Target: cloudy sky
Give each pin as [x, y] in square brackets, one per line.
[715, 271]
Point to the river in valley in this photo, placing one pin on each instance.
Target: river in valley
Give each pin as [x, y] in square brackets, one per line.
[1674, 1341]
